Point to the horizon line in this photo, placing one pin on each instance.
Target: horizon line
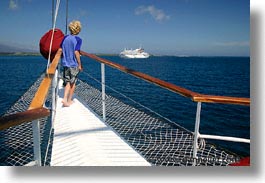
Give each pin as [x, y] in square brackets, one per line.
[116, 54]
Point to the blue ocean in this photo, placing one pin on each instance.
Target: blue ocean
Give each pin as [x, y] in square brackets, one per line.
[224, 76]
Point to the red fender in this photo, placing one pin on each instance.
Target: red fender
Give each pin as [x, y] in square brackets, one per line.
[46, 40]
[242, 162]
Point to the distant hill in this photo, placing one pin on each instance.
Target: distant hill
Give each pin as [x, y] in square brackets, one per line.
[14, 49]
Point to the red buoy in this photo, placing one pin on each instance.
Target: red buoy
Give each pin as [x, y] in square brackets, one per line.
[46, 40]
[242, 162]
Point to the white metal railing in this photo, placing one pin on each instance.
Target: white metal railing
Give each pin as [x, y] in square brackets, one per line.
[41, 96]
[197, 135]
[36, 124]
[36, 142]
[103, 87]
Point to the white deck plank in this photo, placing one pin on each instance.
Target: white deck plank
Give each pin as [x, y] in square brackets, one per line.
[82, 139]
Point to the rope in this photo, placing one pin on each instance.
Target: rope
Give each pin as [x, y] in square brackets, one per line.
[52, 11]
[66, 17]
[53, 29]
[48, 64]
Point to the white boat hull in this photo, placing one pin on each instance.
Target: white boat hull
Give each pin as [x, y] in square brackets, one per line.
[134, 56]
[137, 53]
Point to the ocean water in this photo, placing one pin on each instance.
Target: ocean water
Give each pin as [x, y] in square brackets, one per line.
[17, 74]
[225, 76]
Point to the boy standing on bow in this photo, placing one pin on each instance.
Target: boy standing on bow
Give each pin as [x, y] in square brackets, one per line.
[71, 62]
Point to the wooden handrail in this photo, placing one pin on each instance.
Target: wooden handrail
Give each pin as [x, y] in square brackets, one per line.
[222, 99]
[164, 84]
[44, 87]
[196, 97]
[22, 117]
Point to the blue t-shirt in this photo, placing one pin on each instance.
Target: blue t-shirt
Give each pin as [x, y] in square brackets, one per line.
[70, 44]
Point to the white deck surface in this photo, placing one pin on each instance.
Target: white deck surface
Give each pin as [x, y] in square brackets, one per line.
[82, 139]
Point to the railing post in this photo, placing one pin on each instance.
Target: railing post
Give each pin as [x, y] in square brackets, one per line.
[58, 77]
[54, 94]
[196, 133]
[36, 142]
[103, 91]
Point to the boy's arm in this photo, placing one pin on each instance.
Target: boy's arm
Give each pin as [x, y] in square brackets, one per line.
[77, 55]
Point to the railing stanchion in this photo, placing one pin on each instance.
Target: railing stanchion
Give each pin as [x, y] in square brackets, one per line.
[103, 91]
[58, 78]
[196, 133]
[36, 142]
[54, 94]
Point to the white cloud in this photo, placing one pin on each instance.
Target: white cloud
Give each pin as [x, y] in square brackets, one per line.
[234, 43]
[157, 14]
[13, 5]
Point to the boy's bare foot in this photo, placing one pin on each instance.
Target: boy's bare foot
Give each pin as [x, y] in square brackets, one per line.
[65, 104]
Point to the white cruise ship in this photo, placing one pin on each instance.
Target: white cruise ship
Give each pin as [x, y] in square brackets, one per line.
[137, 53]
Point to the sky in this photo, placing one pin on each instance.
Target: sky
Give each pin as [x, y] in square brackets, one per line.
[161, 27]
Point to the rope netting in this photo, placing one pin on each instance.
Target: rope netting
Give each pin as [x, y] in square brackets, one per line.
[157, 139]
[16, 143]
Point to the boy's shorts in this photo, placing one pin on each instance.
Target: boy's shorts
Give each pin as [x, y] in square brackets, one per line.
[70, 74]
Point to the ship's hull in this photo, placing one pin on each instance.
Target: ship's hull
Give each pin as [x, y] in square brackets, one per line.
[137, 53]
[134, 56]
